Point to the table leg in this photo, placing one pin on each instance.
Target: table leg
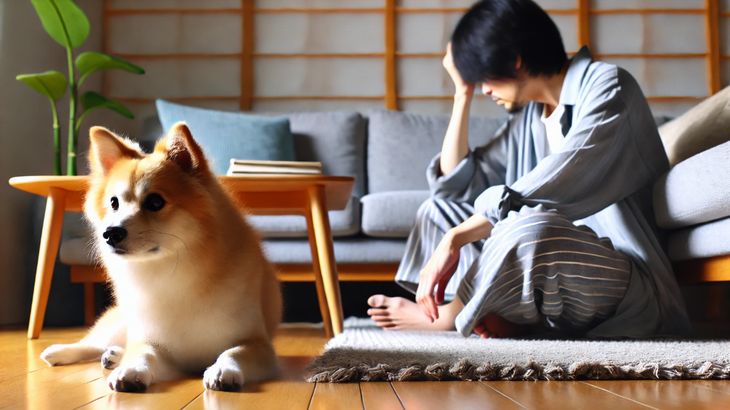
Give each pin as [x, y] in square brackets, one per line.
[50, 239]
[317, 217]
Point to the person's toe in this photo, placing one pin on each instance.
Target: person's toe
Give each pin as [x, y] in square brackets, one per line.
[377, 301]
[378, 312]
[482, 331]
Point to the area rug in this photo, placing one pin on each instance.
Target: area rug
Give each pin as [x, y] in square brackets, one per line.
[364, 352]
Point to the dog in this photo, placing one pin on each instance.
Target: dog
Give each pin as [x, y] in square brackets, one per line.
[194, 292]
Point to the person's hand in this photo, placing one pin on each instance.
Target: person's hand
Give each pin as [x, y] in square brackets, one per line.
[435, 276]
[448, 63]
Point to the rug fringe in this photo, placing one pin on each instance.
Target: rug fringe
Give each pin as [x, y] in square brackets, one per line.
[463, 370]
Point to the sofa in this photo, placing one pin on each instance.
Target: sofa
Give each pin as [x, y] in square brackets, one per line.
[387, 152]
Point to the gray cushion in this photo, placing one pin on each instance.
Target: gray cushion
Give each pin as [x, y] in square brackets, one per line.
[400, 146]
[391, 214]
[695, 190]
[704, 126]
[342, 223]
[336, 138]
[76, 251]
[701, 241]
[347, 250]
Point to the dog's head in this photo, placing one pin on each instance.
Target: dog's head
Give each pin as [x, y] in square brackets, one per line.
[147, 205]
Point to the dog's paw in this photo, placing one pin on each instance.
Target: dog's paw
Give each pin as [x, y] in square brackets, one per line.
[130, 379]
[226, 376]
[111, 357]
[59, 354]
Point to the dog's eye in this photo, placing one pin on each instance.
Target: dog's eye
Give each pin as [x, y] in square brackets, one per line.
[115, 203]
[153, 202]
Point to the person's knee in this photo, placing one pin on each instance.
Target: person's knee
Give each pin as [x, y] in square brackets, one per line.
[537, 219]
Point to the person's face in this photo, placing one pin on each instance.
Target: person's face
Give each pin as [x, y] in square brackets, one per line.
[507, 92]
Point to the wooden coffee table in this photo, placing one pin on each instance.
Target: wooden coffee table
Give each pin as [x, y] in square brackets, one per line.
[308, 195]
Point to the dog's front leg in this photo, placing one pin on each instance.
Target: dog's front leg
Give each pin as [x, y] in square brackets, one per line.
[138, 369]
[252, 361]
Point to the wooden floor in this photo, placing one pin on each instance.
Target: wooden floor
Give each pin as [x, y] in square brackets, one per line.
[26, 382]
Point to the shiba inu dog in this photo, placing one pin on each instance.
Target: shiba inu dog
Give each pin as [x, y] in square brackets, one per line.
[194, 292]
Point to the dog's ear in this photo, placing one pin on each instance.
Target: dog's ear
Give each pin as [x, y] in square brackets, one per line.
[182, 149]
[106, 148]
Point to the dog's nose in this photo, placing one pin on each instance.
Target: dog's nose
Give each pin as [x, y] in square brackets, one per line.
[114, 235]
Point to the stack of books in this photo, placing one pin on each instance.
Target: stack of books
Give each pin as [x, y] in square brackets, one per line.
[248, 167]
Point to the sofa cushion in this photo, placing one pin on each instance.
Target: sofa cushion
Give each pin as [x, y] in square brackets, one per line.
[701, 241]
[400, 146]
[337, 139]
[77, 251]
[342, 223]
[347, 250]
[391, 214]
[704, 126]
[696, 190]
[225, 135]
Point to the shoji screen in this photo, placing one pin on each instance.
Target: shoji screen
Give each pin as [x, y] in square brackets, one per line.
[285, 55]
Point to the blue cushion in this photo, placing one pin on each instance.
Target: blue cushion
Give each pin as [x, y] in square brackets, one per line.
[225, 135]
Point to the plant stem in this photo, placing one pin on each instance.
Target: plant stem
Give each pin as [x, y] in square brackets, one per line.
[56, 140]
[73, 99]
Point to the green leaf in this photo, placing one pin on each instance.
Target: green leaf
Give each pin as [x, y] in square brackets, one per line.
[92, 100]
[91, 61]
[52, 83]
[63, 20]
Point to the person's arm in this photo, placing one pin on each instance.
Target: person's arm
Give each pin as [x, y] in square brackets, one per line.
[456, 141]
[439, 269]
[600, 164]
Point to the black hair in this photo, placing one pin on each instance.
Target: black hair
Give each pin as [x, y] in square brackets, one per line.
[493, 33]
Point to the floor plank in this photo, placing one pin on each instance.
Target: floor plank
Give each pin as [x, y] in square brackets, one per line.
[165, 395]
[275, 395]
[379, 395]
[451, 395]
[344, 396]
[674, 394]
[550, 395]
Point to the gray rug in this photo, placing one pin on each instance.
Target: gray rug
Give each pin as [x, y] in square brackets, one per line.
[365, 353]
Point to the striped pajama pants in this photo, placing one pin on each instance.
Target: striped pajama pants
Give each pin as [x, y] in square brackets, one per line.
[536, 268]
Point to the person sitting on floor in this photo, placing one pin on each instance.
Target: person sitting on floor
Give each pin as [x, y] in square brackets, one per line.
[550, 225]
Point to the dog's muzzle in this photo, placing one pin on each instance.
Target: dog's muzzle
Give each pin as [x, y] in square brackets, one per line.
[114, 235]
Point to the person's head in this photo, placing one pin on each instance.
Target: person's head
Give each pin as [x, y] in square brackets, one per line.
[501, 43]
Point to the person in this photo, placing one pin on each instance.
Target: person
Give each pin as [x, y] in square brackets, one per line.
[549, 227]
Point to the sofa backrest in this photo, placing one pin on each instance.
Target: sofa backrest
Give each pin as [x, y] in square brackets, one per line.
[400, 146]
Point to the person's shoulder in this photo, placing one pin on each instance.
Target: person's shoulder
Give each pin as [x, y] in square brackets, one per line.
[608, 75]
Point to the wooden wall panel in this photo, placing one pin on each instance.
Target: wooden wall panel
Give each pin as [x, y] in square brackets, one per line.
[316, 54]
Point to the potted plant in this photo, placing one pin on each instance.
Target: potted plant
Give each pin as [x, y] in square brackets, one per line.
[67, 25]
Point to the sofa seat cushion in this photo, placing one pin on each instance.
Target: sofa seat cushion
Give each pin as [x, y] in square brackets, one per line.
[347, 250]
[76, 251]
[700, 241]
[391, 214]
[401, 145]
[696, 190]
[342, 223]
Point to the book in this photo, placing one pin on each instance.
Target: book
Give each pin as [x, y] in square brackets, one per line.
[247, 166]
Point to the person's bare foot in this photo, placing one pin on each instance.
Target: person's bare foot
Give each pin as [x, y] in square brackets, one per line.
[396, 313]
[495, 326]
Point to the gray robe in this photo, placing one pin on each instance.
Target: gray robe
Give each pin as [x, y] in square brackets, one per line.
[602, 177]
